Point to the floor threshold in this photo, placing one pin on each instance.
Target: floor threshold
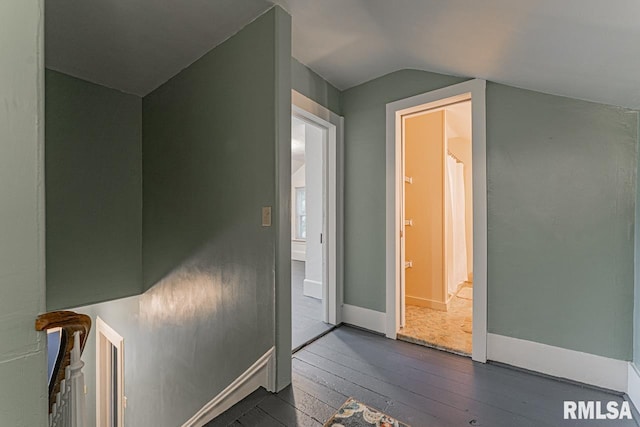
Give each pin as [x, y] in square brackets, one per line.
[317, 337]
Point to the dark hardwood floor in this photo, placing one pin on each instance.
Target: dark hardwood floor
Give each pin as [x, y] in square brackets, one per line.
[420, 386]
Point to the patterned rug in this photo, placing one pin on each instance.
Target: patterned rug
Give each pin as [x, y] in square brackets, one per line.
[357, 414]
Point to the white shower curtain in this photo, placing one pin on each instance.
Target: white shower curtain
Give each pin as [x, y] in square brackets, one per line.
[457, 254]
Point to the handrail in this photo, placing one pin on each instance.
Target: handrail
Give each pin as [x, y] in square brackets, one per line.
[70, 323]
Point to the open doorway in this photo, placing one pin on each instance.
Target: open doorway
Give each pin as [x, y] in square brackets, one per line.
[316, 220]
[110, 399]
[437, 224]
[308, 236]
[451, 286]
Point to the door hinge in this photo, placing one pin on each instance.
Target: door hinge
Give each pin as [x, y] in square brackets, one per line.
[321, 238]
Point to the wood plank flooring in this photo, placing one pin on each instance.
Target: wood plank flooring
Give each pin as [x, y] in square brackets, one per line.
[306, 312]
[420, 386]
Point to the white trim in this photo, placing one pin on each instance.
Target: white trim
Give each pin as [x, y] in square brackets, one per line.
[474, 89]
[310, 106]
[332, 124]
[559, 362]
[364, 318]
[633, 385]
[260, 374]
[104, 333]
[312, 288]
[429, 303]
[298, 250]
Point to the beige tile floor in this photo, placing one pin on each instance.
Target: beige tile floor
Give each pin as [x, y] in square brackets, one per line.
[448, 330]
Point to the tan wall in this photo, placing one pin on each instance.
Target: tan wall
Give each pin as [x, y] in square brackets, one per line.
[461, 148]
[424, 241]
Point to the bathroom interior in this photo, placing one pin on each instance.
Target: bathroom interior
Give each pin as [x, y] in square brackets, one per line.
[438, 228]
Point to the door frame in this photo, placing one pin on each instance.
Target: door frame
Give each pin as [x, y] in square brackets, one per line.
[105, 336]
[474, 89]
[333, 195]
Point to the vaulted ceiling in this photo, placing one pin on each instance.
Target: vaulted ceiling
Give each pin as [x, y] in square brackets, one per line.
[587, 49]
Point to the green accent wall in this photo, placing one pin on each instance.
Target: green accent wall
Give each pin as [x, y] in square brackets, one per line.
[561, 196]
[313, 86]
[23, 365]
[93, 169]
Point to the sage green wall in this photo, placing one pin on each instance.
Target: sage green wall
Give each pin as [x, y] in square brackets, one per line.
[23, 368]
[282, 205]
[561, 197]
[93, 192]
[206, 310]
[636, 314]
[210, 141]
[561, 200]
[310, 84]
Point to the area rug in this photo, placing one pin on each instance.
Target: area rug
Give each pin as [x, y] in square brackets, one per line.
[357, 414]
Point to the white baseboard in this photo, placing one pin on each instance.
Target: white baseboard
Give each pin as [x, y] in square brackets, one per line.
[364, 318]
[559, 362]
[260, 374]
[298, 256]
[633, 385]
[298, 251]
[428, 303]
[311, 288]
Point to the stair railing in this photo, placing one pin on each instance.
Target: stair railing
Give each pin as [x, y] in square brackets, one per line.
[67, 403]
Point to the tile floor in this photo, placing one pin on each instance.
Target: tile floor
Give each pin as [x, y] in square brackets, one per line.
[447, 330]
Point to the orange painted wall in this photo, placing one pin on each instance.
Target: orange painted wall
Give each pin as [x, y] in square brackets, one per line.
[424, 198]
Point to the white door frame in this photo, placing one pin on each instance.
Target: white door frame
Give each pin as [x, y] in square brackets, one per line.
[332, 126]
[105, 336]
[395, 110]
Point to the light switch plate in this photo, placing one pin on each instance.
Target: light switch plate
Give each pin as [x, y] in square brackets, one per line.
[266, 216]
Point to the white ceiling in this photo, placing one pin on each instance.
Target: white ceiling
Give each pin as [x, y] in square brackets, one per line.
[588, 49]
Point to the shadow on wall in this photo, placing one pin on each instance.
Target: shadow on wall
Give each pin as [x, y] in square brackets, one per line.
[208, 310]
[193, 317]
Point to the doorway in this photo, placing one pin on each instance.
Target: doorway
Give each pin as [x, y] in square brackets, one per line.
[436, 219]
[110, 399]
[437, 228]
[314, 242]
[308, 174]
